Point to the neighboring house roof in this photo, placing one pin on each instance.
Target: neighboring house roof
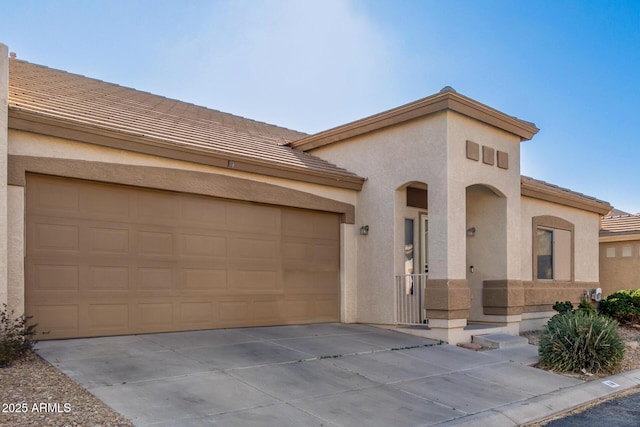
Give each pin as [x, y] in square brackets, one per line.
[618, 212]
[620, 228]
[446, 99]
[552, 193]
[59, 103]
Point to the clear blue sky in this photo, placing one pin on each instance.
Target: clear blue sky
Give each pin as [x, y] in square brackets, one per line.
[571, 67]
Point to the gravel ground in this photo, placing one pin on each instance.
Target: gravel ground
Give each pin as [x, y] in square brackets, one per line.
[34, 393]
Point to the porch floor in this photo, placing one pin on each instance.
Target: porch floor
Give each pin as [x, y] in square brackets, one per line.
[463, 335]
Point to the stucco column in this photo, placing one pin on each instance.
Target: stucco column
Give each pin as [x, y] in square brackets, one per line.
[4, 119]
[447, 296]
[15, 252]
[348, 272]
[505, 297]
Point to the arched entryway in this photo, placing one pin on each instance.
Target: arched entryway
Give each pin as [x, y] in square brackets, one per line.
[411, 251]
[486, 238]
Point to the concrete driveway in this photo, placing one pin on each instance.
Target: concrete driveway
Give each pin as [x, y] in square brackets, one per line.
[311, 375]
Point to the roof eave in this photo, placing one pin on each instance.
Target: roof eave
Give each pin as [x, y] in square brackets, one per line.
[558, 196]
[41, 124]
[619, 237]
[445, 100]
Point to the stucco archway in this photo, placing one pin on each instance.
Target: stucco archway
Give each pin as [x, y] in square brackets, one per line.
[486, 248]
[410, 251]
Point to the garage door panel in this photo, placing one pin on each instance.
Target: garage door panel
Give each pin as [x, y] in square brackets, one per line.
[204, 279]
[154, 314]
[326, 282]
[198, 313]
[108, 278]
[106, 202]
[204, 245]
[47, 277]
[254, 248]
[254, 280]
[155, 243]
[298, 309]
[326, 257]
[156, 207]
[296, 223]
[235, 312]
[205, 212]
[267, 311]
[250, 217]
[113, 240]
[112, 259]
[57, 319]
[316, 283]
[154, 278]
[114, 316]
[326, 309]
[56, 237]
[56, 196]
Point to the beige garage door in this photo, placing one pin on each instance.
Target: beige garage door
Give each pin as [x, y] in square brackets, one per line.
[107, 260]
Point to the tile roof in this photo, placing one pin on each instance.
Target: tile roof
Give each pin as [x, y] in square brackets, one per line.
[620, 224]
[53, 94]
[543, 190]
[618, 212]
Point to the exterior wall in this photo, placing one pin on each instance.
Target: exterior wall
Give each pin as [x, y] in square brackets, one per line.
[465, 172]
[30, 144]
[4, 98]
[621, 271]
[431, 151]
[26, 145]
[540, 295]
[390, 159]
[486, 197]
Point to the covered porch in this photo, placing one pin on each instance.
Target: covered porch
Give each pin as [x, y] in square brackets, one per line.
[477, 298]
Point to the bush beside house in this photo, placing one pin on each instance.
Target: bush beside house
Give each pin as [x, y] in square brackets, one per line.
[15, 336]
[581, 341]
[624, 306]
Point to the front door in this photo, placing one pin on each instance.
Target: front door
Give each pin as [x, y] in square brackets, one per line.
[424, 240]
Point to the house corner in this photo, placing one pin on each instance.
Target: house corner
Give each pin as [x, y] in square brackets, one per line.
[4, 119]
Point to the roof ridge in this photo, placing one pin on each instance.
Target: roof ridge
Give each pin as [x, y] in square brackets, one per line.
[302, 134]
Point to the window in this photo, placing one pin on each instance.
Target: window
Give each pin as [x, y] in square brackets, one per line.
[611, 252]
[552, 249]
[545, 254]
[627, 251]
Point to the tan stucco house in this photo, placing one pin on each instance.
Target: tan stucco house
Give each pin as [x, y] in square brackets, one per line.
[128, 212]
[620, 252]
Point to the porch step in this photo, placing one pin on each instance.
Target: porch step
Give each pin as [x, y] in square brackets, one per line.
[499, 340]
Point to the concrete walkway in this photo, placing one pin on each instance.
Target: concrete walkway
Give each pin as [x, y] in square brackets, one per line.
[316, 375]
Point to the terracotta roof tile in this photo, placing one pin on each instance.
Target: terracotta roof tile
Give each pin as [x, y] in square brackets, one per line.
[620, 224]
[59, 95]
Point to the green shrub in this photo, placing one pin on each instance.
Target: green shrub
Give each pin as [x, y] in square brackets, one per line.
[624, 306]
[586, 306]
[563, 307]
[581, 340]
[15, 336]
